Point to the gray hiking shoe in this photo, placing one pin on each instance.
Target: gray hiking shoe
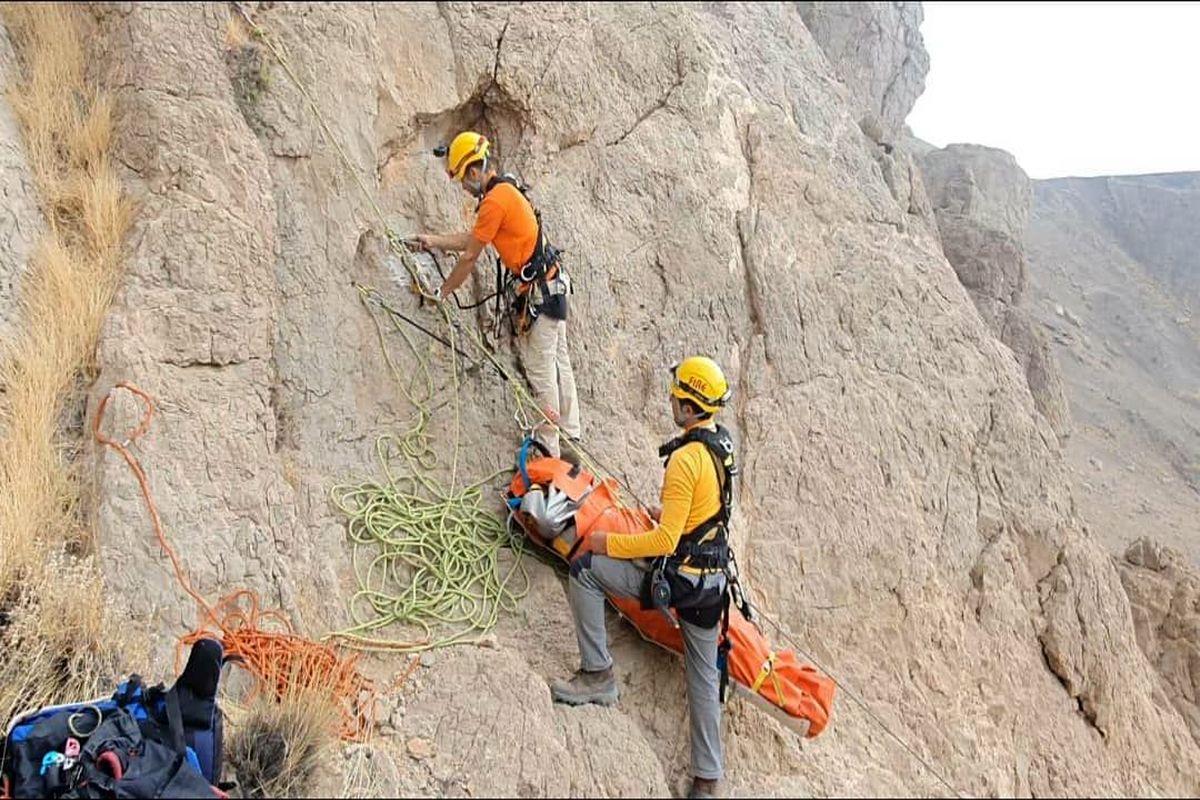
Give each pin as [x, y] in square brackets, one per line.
[703, 787]
[586, 687]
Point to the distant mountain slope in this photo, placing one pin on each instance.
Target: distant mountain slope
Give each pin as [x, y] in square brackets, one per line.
[1115, 269]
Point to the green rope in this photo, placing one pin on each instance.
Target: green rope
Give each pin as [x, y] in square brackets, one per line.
[425, 556]
[442, 551]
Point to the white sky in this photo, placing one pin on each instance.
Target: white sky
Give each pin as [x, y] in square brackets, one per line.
[1068, 88]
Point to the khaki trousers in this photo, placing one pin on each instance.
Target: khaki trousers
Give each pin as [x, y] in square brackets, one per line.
[547, 361]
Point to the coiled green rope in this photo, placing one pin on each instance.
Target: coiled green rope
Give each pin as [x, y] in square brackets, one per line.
[425, 556]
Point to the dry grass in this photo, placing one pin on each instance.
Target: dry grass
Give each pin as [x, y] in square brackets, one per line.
[57, 640]
[278, 748]
[236, 32]
[363, 775]
[53, 642]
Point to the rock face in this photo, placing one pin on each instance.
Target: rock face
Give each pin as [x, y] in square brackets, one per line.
[197, 324]
[20, 220]
[619, 760]
[1164, 595]
[904, 510]
[981, 201]
[1113, 274]
[877, 50]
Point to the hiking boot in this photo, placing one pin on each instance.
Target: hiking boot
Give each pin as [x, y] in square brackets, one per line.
[703, 787]
[586, 687]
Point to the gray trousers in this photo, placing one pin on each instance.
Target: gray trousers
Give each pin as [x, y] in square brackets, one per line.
[591, 577]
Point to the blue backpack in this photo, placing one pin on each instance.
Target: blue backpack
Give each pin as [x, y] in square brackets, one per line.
[140, 742]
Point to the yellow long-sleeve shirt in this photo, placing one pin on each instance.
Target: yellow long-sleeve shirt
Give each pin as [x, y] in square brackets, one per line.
[691, 494]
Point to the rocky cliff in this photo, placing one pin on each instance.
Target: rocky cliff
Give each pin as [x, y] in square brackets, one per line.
[981, 200]
[904, 510]
[877, 51]
[1164, 593]
[1152, 217]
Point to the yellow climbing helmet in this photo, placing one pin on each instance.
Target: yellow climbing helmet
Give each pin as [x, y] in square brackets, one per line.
[466, 148]
[700, 380]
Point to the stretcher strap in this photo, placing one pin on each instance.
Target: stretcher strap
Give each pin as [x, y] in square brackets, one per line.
[768, 670]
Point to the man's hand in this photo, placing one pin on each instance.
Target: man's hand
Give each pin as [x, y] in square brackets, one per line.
[655, 513]
[596, 543]
[422, 241]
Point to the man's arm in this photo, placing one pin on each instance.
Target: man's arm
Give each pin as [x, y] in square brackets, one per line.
[463, 267]
[679, 486]
[453, 242]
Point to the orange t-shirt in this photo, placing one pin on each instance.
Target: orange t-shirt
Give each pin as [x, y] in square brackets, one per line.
[506, 221]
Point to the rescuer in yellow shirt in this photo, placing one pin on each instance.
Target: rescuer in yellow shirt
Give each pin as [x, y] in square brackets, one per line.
[688, 572]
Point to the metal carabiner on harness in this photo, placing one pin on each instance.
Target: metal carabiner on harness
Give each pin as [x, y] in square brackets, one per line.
[659, 591]
[736, 595]
[528, 277]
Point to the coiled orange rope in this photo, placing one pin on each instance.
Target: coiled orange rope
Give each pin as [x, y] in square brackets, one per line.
[262, 642]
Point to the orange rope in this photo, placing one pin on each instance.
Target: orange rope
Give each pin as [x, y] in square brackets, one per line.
[279, 659]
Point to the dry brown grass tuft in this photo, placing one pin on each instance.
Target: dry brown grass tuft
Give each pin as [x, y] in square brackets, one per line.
[57, 639]
[53, 642]
[278, 748]
[236, 32]
[67, 289]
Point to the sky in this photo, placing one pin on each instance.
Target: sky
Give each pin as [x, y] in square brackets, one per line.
[1068, 88]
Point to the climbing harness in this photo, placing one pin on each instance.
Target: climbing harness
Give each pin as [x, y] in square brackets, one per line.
[706, 547]
[703, 552]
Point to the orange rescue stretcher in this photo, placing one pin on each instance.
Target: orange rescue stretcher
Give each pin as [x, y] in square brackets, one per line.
[558, 504]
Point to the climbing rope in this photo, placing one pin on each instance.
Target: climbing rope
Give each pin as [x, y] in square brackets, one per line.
[261, 642]
[439, 544]
[444, 549]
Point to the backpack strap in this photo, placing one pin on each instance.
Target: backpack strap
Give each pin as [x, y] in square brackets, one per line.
[130, 691]
[174, 721]
[171, 734]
